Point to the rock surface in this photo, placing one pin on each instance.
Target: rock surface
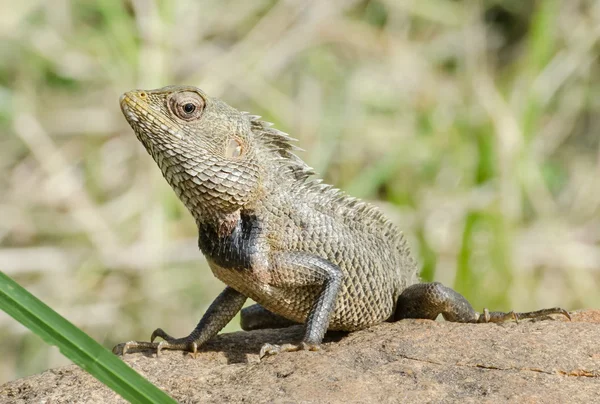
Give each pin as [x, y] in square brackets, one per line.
[408, 361]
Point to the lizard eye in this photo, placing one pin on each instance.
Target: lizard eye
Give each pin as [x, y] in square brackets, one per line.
[186, 105]
[189, 108]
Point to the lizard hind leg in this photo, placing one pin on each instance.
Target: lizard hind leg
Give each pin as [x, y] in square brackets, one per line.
[428, 300]
[256, 317]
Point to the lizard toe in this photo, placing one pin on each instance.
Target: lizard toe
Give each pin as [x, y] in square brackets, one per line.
[159, 332]
[177, 344]
[268, 350]
[125, 347]
[272, 349]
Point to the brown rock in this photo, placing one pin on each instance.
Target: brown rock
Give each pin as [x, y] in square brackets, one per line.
[409, 361]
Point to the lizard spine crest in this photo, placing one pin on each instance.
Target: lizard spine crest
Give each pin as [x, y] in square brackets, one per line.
[280, 143]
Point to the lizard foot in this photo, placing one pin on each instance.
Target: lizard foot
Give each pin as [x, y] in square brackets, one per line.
[499, 317]
[272, 349]
[176, 344]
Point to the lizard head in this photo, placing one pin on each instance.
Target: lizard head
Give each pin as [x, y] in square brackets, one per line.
[216, 158]
[201, 145]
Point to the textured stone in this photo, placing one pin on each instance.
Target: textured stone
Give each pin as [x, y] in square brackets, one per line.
[408, 361]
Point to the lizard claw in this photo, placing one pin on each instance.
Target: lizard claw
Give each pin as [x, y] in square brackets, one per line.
[272, 349]
[161, 345]
[194, 350]
[160, 333]
[119, 349]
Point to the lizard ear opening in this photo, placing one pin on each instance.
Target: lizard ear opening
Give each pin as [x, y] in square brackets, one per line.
[234, 148]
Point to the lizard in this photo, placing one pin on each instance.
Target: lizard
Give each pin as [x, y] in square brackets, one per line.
[305, 252]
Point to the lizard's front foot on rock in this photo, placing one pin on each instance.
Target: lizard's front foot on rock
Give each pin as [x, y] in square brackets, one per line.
[176, 344]
[272, 349]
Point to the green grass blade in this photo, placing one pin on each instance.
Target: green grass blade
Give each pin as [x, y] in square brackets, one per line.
[76, 345]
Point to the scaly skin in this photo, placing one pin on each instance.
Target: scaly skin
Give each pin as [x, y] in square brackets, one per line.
[304, 251]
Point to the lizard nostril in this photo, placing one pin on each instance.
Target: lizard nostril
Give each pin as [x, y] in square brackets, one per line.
[142, 94]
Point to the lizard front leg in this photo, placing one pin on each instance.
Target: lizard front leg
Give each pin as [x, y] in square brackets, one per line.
[220, 312]
[428, 300]
[301, 270]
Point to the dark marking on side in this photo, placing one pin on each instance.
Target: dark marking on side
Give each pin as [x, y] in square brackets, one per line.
[233, 250]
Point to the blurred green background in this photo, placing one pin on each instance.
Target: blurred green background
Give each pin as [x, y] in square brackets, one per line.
[473, 124]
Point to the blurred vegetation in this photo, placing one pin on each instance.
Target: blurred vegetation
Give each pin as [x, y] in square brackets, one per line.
[473, 124]
[74, 344]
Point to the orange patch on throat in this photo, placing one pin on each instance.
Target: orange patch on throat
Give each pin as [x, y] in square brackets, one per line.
[228, 223]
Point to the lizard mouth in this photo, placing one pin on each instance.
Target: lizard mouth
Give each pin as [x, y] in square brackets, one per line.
[128, 106]
[144, 118]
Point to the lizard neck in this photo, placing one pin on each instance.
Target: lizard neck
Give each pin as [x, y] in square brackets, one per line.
[221, 224]
[231, 244]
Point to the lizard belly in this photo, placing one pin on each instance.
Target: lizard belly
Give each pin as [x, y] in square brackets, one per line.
[295, 303]
[288, 303]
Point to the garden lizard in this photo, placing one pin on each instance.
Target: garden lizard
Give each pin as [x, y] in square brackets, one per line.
[304, 251]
